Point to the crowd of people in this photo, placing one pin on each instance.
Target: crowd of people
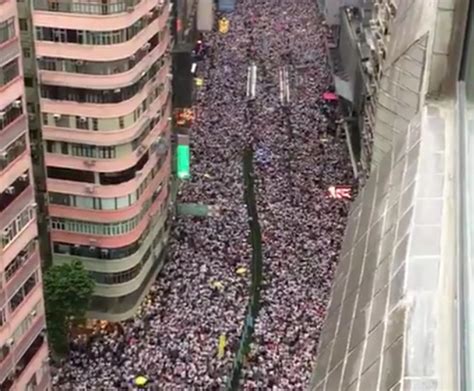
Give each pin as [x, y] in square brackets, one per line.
[203, 290]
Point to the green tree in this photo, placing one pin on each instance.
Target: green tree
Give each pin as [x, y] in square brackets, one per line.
[68, 289]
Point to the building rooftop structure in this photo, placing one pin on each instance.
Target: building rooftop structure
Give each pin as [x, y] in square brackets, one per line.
[100, 97]
[400, 312]
[23, 347]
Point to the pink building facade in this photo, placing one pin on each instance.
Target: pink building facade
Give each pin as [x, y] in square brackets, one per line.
[105, 97]
[23, 347]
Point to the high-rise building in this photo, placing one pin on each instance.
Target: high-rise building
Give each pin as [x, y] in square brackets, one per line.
[23, 348]
[98, 86]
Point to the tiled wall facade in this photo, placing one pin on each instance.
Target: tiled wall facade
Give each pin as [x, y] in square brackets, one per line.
[383, 326]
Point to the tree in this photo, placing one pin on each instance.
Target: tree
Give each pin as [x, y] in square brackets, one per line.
[68, 289]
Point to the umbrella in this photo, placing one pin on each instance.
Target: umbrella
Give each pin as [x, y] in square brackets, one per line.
[141, 381]
[328, 95]
[241, 271]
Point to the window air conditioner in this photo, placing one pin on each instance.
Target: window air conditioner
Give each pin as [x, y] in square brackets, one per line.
[57, 116]
[10, 342]
[10, 190]
[24, 177]
[3, 155]
[17, 104]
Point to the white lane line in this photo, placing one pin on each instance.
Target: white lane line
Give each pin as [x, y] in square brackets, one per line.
[249, 75]
[254, 81]
[280, 75]
[287, 86]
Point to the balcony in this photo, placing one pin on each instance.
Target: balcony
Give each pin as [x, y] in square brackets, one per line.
[9, 50]
[107, 215]
[111, 241]
[93, 52]
[118, 164]
[119, 136]
[19, 348]
[117, 80]
[23, 200]
[101, 110]
[116, 265]
[118, 190]
[89, 8]
[13, 130]
[23, 274]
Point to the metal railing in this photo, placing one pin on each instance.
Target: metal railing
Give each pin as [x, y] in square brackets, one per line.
[90, 8]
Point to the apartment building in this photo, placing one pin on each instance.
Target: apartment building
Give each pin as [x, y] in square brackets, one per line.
[23, 348]
[98, 85]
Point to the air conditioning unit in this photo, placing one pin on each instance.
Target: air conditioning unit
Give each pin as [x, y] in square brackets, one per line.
[117, 90]
[5, 232]
[138, 173]
[34, 205]
[57, 117]
[169, 76]
[2, 115]
[10, 342]
[10, 189]
[33, 313]
[24, 177]
[146, 46]
[90, 189]
[83, 119]
[104, 251]
[79, 62]
[17, 104]
[3, 155]
[170, 119]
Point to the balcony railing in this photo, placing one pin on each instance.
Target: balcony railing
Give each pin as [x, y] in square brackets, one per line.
[86, 7]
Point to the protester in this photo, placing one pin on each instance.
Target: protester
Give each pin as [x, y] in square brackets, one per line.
[202, 292]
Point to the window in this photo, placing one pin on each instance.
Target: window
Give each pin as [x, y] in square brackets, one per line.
[9, 71]
[85, 95]
[12, 192]
[28, 81]
[7, 30]
[21, 258]
[87, 37]
[68, 174]
[17, 225]
[102, 229]
[23, 292]
[3, 317]
[23, 24]
[26, 52]
[10, 113]
[12, 151]
[60, 198]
